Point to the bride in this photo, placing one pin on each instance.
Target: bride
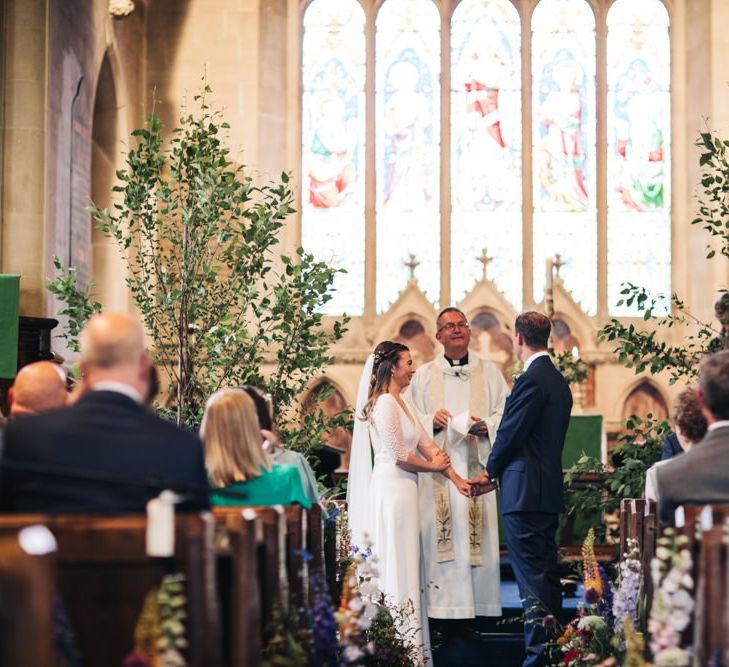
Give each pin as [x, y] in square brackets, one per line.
[383, 499]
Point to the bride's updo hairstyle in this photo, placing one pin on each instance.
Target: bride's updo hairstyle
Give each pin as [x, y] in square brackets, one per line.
[386, 356]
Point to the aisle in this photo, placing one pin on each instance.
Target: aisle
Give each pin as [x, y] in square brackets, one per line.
[488, 641]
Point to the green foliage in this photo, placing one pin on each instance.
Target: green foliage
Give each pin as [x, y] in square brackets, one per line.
[642, 350]
[638, 449]
[217, 297]
[288, 640]
[573, 369]
[79, 303]
[713, 207]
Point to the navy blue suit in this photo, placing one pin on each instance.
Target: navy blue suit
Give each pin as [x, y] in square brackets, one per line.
[671, 447]
[107, 437]
[526, 459]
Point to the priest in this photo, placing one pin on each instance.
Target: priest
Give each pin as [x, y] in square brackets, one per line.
[460, 399]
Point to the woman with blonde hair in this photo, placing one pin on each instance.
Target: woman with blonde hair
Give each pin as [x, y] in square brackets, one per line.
[235, 459]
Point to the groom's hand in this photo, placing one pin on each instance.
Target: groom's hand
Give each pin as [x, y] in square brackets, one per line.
[481, 485]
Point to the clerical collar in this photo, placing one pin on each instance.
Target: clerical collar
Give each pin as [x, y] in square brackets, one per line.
[457, 362]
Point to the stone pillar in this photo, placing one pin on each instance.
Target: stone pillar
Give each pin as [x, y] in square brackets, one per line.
[23, 135]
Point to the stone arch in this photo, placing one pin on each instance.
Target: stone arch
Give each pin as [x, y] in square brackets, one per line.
[491, 339]
[335, 456]
[415, 333]
[108, 127]
[645, 397]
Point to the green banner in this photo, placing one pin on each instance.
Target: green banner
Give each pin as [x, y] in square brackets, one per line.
[584, 434]
[9, 309]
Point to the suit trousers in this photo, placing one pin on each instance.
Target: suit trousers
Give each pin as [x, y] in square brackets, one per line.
[530, 540]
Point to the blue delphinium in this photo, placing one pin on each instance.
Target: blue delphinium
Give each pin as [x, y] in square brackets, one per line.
[323, 625]
[605, 606]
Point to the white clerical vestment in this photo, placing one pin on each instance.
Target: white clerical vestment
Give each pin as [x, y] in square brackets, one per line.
[460, 535]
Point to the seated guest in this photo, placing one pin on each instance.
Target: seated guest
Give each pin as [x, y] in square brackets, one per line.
[700, 475]
[235, 458]
[38, 387]
[690, 425]
[671, 447]
[273, 446]
[106, 453]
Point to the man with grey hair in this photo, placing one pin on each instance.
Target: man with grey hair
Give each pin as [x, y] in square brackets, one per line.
[460, 399]
[106, 453]
[38, 387]
[700, 475]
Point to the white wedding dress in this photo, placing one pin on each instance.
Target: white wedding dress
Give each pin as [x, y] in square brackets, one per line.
[396, 523]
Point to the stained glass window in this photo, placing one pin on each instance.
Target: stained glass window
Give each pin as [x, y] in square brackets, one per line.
[563, 80]
[639, 116]
[333, 122]
[486, 145]
[407, 121]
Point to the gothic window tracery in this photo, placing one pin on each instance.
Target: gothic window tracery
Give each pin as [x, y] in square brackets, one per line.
[440, 128]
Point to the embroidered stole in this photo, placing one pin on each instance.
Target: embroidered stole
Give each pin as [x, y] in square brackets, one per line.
[441, 492]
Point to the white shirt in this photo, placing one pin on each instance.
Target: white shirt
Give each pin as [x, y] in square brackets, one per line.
[720, 424]
[536, 355]
[119, 388]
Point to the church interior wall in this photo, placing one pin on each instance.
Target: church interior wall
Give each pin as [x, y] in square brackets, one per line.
[249, 53]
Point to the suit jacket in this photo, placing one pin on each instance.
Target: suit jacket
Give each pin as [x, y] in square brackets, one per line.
[105, 435]
[671, 447]
[699, 476]
[526, 456]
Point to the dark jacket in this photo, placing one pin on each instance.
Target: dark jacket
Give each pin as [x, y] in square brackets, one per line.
[126, 454]
[526, 457]
[699, 476]
[671, 447]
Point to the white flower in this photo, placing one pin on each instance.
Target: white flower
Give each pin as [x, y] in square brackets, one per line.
[356, 604]
[370, 648]
[663, 553]
[352, 653]
[368, 589]
[365, 569]
[364, 623]
[672, 657]
[591, 623]
[370, 610]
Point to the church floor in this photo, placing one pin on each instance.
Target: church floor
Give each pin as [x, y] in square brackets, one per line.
[492, 642]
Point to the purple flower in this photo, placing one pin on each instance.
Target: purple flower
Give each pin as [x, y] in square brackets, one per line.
[549, 622]
[592, 596]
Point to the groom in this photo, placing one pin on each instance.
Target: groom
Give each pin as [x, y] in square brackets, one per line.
[526, 463]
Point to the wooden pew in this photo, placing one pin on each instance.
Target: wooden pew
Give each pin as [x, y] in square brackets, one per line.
[103, 574]
[240, 589]
[26, 605]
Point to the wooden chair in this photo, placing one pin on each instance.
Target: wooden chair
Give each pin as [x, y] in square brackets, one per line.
[103, 574]
[26, 605]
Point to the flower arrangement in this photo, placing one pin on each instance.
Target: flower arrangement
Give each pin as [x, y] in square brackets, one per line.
[372, 630]
[625, 602]
[673, 601]
[588, 638]
[160, 634]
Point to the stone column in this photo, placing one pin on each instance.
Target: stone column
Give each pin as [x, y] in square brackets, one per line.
[23, 134]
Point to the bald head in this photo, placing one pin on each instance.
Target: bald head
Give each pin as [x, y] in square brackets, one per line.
[112, 349]
[111, 340]
[38, 387]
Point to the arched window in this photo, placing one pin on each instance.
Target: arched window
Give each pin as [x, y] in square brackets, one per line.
[431, 129]
[407, 122]
[486, 145]
[563, 145]
[333, 135]
[639, 130]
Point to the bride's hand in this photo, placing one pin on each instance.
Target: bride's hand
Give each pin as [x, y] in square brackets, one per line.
[440, 461]
[464, 488]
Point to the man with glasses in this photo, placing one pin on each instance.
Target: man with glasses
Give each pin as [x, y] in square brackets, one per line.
[460, 399]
